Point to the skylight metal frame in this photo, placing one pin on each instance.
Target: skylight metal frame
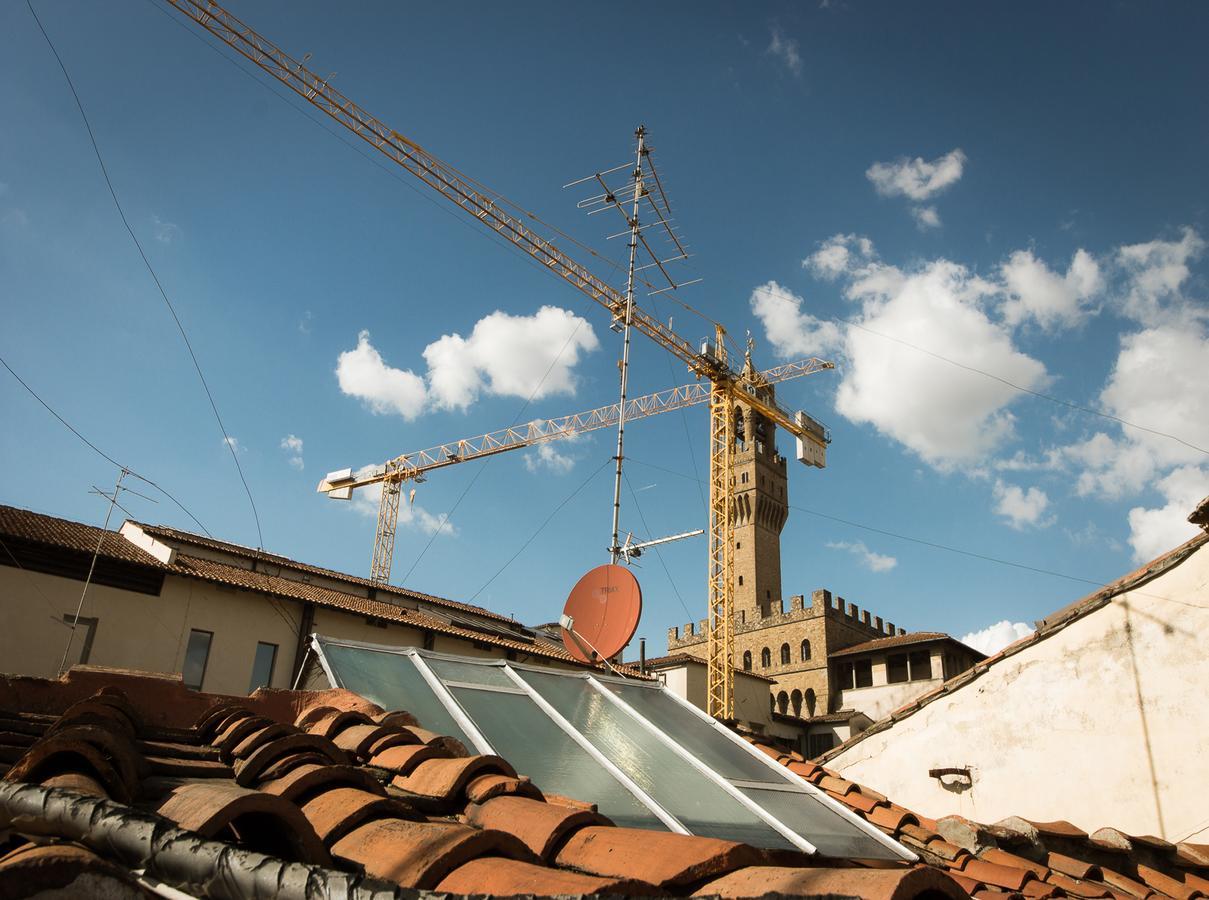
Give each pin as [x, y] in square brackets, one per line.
[783, 779]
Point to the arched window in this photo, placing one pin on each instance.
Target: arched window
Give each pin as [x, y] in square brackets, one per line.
[784, 654]
[782, 702]
[746, 660]
[805, 650]
[765, 658]
[810, 701]
[795, 700]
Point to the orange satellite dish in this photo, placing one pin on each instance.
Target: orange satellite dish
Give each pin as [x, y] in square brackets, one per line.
[601, 614]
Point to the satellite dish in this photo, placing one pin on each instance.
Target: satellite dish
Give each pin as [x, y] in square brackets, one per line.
[601, 614]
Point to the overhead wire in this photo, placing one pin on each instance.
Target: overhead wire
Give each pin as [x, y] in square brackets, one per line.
[540, 528]
[105, 456]
[150, 269]
[658, 554]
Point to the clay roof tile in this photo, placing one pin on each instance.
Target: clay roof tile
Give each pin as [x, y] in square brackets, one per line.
[661, 858]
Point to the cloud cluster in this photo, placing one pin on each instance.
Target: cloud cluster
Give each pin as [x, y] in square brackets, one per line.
[874, 562]
[993, 638]
[504, 355]
[905, 318]
[292, 445]
[918, 180]
[786, 50]
[546, 457]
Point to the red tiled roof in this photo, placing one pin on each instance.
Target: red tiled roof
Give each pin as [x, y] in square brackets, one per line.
[247, 789]
[1016, 857]
[40, 528]
[250, 553]
[902, 640]
[1045, 627]
[48, 530]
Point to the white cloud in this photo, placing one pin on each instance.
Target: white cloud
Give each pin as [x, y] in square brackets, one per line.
[411, 515]
[993, 638]
[292, 444]
[1153, 532]
[837, 255]
[516, 356]
[926, 217]
[1052, 300]
[1155, 272]
[362, 373]
[546, 456]
[874, 562]
[786, 50]
[233, 443]
[791, 331]
[165, 232]
[1021, 508]
[916, 179]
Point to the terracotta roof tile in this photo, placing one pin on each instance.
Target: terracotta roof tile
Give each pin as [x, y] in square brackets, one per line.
[660, 858]
[76, 536]
[542, 827]
[871, 884]
[510, 877]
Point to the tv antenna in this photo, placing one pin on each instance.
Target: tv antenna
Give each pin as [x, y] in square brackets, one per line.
[633, 200]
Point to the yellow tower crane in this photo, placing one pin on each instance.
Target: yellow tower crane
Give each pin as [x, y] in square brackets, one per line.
[708, 361]
[394, 473]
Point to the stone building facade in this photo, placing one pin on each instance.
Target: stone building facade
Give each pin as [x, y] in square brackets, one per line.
[790, 646]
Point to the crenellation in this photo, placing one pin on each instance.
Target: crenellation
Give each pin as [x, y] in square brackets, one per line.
[890, 628]
[877, 624]
[796, 602]
[853, 611]
[865, 619]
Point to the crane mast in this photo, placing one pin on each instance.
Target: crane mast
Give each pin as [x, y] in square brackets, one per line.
[493, 211]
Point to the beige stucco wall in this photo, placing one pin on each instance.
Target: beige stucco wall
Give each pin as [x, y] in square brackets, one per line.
[150, 633]
[141, 631]
[1104, 723]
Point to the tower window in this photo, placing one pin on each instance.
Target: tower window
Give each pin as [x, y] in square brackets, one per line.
[805, 650]
[784, 654]
[746, 660]
[740, 581]
[765, 658]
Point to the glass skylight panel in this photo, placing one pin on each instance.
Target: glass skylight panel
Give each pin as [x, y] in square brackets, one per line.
[646, 757]
[392, 681]
[697, 803]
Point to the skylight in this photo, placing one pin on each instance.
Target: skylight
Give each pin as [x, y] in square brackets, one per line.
[647, 758]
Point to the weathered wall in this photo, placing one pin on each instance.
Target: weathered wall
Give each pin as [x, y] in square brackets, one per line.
[142, 631]
[1104, 722]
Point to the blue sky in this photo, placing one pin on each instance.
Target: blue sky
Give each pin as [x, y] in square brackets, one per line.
[1021, 190]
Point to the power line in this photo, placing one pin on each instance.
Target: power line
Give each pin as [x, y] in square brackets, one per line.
[105, 456]
[542, 527]
[658, 554]
[904, 537]
[150, 269]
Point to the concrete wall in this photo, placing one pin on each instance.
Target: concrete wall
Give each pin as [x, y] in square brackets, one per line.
[1104, 723]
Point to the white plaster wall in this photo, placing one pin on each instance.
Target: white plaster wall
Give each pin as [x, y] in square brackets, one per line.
[879, 701]
[1105, 722]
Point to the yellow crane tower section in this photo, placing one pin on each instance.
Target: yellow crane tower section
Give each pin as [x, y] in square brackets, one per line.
[710, 362]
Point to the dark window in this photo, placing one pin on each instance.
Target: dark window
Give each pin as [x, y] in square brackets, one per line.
[863, 671]
[844, 675]
[784, 654]
[197, 654]
[949, 665]
[746, 660]
[740, 581]
[81, 641]
[765, 658]
[262, 666]
[795, 701]
[818, 744]
[921, 665]
[377, 623]
[896, 668]
[811, 699]
[805, 650]
[782, 702]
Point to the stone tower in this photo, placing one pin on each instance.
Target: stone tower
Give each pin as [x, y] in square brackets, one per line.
[760, 511]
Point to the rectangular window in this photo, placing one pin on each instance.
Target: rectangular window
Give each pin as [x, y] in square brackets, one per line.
[81, 642]
[818, 744]
[862, 669]
[896, 668]
[949, 666]
[921, 665]
[262, 665]
[845, 675]
[197, 654]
